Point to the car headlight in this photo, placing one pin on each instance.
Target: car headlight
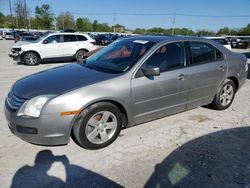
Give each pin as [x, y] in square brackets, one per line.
[33, 107]
[16, 49]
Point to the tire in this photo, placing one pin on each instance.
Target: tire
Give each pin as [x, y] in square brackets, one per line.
[224, 96]
[80, 55]
[97, 126]
[30, 59]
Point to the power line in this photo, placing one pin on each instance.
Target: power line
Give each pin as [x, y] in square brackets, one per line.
[154, 14]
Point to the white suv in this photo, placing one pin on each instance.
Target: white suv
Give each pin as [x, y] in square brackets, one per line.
[53, 45]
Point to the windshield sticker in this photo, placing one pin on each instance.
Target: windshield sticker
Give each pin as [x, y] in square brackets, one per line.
[141, 41]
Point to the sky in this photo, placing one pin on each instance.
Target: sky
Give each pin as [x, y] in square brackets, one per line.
[192, 14]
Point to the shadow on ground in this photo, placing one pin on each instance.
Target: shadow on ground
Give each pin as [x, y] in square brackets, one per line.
[220, 159]
[52, 61]
[76, 176]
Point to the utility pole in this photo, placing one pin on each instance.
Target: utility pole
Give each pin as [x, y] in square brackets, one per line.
[26, 16]
[11, 16]
[114, 30]
[55, 24]
[173, 25]
[63, 21]
[29, 23]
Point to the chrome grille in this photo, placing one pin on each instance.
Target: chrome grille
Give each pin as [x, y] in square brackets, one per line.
[14, 102]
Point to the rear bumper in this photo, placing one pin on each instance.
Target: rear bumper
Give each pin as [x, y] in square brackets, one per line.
[47, 130]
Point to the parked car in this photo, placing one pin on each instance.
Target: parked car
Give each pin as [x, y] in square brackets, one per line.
[1, 35]
[221, 40]
[68, 31]
[237, 42]
[8, 36]
[241, 43]
[131, 81]
[53, 45]
[103, 40]
[28, 38]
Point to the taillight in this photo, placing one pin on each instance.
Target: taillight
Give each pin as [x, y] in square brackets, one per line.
[94, 43]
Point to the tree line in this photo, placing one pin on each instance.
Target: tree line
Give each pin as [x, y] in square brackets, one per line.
[44, 18]
[203, 32]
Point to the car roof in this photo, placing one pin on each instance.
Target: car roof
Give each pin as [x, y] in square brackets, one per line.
[67, 33]
[215, 37]
[157, 38]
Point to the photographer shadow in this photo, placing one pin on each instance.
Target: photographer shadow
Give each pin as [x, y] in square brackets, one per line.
[76, 176]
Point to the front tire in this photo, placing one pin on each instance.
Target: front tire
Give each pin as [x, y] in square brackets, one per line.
[224, 96]
[30, 59]
[98, 125]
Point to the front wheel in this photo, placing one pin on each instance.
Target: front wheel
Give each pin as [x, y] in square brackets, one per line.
[224, 96]
[30, 58]
[98, 126]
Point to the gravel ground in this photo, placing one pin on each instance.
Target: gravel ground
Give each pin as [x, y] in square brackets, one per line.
[198, 148]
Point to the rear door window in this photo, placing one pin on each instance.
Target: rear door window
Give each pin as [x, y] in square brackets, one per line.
[219, 55]
[53, 39]
[70, 38]
[81, 38]
[202, 52]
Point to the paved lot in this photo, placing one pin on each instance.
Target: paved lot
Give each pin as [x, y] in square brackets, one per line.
[198, 148]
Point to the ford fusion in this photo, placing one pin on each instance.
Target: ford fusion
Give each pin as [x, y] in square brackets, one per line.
[131, 81]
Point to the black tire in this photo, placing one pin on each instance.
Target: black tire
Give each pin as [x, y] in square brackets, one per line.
[219, 97]
[81, 125]
[30, 59]
[79, 56]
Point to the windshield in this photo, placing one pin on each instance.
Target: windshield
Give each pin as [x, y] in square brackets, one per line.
[41, 38]
[118, 57]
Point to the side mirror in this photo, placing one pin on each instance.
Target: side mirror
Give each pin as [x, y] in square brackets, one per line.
[45, 42]
[151, 71]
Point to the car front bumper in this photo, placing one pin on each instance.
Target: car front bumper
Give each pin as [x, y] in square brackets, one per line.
[16, 56]
[48, 130]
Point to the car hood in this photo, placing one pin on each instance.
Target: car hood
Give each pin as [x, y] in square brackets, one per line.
[58, 81]
[22, 43]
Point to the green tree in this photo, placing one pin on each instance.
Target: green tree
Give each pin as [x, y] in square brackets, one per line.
[8, 22]
[184, 31]
[95, 25]
[224, 31]
[156, 30]
[103, 27]
[205, 32]
[21, 14]
[84, 24]
[140, 31]
[44, 16]
[2, 17]
[65, 20]
[79, 24]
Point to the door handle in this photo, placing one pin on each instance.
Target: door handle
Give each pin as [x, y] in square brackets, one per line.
[181, 77]
[221, 68]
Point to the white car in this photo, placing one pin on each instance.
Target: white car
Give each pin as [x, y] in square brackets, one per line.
[221, 40]
[53, 45]
[8, 36]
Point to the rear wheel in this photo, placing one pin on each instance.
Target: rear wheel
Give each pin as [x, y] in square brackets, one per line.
[224, 96]
[80, 55]
[30, 58]
[98, 125]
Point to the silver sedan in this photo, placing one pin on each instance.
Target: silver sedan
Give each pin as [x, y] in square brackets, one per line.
[129, 82]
